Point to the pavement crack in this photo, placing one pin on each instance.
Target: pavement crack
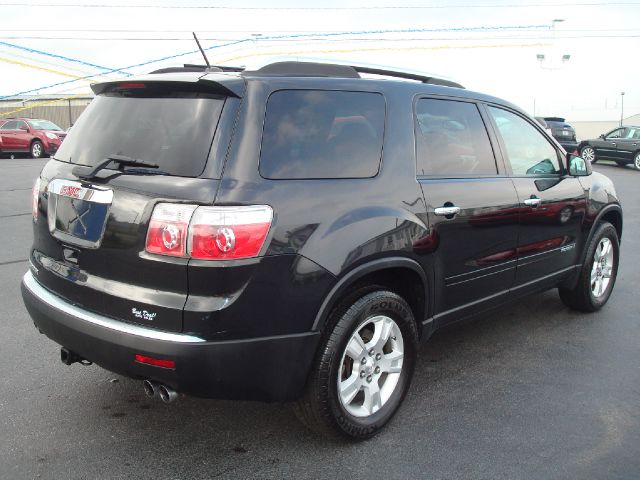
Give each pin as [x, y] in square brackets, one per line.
[15, 215]
[11, 262]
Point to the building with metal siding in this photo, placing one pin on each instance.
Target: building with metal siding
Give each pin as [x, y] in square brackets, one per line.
[61, 110]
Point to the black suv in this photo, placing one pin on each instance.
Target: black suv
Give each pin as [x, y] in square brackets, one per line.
[563, 132]
[292, 233]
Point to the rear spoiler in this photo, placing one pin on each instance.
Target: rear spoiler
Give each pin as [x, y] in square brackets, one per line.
[212, 83]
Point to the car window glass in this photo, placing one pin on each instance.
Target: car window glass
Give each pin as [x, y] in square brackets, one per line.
[452, 139]
[528, 151]
[172, 129]
[322, 134]
[618, 133]
[44, 125]
[10, 125]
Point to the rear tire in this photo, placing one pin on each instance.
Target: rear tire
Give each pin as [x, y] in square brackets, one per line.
[37, 150]
[598, 272]
[363, 367]
[588, 153]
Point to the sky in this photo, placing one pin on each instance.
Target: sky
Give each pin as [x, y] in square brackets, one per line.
[491, 46]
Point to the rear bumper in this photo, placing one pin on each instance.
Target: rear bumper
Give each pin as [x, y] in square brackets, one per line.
[269, 369]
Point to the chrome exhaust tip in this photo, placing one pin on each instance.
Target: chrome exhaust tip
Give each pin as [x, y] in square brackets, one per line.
[167, 394]
[150, 388]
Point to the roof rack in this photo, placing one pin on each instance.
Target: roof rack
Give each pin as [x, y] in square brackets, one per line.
[408, 75]
[198, 68]
[317, 69]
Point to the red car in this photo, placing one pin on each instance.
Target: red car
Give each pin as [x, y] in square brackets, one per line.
[37, 137]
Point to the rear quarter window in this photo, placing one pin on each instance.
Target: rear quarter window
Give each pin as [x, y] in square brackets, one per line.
[312, 134]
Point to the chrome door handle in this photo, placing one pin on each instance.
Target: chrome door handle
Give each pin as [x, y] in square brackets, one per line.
[446, 211]
[532, 202]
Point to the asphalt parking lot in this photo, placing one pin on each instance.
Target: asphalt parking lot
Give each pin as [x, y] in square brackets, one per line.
[533, 392]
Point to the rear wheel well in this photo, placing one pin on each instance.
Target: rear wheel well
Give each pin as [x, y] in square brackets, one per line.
[403, 281]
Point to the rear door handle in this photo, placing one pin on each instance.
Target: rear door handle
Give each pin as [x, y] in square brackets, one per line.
[532, 202]
[446, 211]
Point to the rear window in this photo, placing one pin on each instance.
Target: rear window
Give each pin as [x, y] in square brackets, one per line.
[173, 130]
[322, 134]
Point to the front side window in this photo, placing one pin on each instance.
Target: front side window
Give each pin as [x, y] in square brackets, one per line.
[312, 134]
[528, 151]
[452, 139]
[617, 133]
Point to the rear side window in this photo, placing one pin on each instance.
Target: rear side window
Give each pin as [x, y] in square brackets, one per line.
[322, 134]
[11, 125]
[171, 129]
[452, 139]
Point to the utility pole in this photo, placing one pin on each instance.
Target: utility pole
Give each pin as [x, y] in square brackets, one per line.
[621, 107]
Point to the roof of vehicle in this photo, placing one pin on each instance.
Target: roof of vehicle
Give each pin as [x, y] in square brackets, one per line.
[554, 119]
[232, 80]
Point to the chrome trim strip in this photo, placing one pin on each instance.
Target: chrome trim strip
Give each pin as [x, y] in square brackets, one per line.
[79, 191]
[57, 303]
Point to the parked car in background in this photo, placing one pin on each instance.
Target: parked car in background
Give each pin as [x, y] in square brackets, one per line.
[563, 132]
[29, 135]
[622, 145]
[544, 123]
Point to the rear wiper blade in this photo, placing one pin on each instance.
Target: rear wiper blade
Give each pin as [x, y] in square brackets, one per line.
[121, 161]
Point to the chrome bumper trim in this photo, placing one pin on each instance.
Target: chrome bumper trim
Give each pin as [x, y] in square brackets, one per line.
[57, 303]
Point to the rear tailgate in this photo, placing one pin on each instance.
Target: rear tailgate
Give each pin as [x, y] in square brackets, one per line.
[90, 233]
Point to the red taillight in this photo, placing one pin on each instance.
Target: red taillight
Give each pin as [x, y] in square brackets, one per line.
[168, 228]
[209, 233]
[35, 196]
[219, 233]
[156, 362]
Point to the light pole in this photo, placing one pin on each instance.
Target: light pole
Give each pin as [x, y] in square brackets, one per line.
[621, 107]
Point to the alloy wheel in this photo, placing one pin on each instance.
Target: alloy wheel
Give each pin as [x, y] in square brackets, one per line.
[588, 154]
[371, 366]
[602, 267]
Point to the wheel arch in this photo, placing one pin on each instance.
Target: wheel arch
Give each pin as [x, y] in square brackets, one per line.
[611, 213]
[401, 275]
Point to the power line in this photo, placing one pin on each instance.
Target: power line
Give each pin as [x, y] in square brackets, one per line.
[413, 39]
[304, 35]
[53, 55]
[360, 8]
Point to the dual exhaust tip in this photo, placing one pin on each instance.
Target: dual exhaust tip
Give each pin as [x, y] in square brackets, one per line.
[151, 389]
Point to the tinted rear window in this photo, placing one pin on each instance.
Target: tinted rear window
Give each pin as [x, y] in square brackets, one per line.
[174, 131]
[322, 134]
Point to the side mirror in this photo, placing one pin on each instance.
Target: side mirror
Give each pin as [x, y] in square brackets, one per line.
[578, 166]
[602, 136]
[24, 127]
